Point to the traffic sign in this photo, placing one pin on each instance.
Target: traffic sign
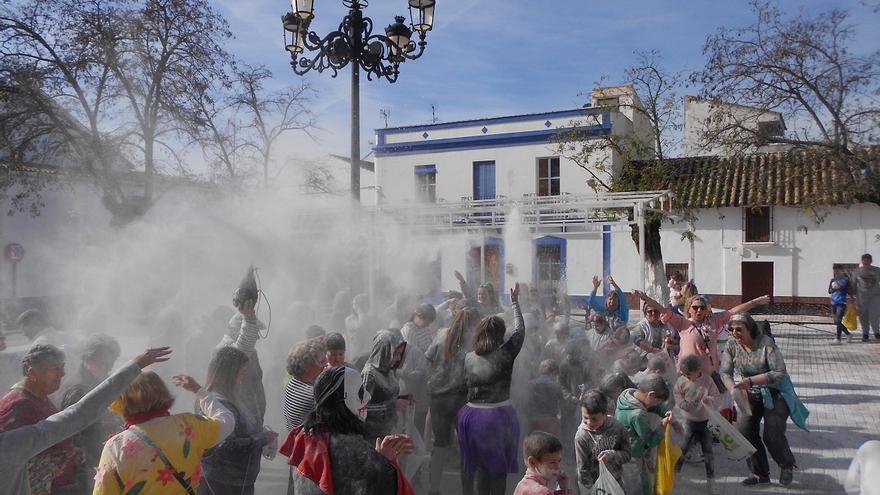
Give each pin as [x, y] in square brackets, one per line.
[13, 252]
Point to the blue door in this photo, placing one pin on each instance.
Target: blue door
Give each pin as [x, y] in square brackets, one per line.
[484, 180]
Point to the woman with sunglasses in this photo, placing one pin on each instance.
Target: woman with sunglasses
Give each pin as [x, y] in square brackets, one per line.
[699, 331]
[770, 395]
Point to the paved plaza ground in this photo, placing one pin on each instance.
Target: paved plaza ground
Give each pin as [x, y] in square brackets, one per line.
[837, 383]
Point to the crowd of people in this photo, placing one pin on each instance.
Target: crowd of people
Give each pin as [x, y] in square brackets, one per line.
[494, 388]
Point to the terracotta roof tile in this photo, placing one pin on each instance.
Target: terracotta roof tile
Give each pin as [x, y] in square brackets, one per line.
[795, 178]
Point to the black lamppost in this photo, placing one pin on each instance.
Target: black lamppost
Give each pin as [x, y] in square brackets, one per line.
[354, 42]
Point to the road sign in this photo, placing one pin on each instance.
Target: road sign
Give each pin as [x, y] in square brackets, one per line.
[13, 252]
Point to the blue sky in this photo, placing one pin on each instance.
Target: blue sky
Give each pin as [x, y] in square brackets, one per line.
[493, 57]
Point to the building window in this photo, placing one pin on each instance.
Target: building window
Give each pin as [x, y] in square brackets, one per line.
[426, 183]
[548, 176]
[682, 268]
[549, 267]
[757, 224]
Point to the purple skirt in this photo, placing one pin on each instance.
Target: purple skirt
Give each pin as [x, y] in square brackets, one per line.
[489, 437]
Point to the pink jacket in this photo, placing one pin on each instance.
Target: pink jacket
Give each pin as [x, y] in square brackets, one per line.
[693, 343]
[535, 484]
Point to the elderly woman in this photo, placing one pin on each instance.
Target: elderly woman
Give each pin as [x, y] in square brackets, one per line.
[488, 428]
[158, 452]
[304, 363]
[329, 454]
[18, 446]
[231, 467]
[613, 306]
[699, 331]
[770, 395]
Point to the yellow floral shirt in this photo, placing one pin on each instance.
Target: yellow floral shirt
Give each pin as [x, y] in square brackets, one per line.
[129, 466]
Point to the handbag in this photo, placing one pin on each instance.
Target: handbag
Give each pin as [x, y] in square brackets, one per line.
[716, 377]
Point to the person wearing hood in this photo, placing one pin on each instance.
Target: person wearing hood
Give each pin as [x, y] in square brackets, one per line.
[644, 413]
[329, 454]
[381, 382]
[20, 445]
[488, 427]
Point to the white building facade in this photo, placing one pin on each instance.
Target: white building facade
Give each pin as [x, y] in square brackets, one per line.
[753, 237]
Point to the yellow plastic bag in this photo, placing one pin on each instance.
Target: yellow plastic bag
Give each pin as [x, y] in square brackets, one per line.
[667, 455]
[850, 318]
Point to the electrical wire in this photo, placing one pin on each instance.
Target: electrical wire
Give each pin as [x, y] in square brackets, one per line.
[264, 298]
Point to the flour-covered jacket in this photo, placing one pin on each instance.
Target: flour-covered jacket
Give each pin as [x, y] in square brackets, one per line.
[20, 445]
[381, 381]
[243, 334]
[131, 465]
[611, 437]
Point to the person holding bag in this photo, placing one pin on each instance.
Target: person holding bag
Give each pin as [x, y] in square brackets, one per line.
[770, 394]
[699, 331]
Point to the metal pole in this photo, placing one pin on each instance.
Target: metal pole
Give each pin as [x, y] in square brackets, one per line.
[483, 259]
[357, 20]
[14, 278]
[640, 211]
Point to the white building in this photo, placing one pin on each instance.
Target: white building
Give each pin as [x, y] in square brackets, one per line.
[751, 235]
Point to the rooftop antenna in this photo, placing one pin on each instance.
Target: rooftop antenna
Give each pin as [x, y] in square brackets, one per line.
[385, 114]
[433, 114]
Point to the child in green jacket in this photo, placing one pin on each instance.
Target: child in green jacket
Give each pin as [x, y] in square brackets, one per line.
[644, 413]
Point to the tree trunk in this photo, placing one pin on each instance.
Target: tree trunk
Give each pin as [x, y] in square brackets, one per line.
[655, 272]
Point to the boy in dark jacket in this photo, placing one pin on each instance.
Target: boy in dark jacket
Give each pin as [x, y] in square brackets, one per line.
[599, 438]
[545, 395]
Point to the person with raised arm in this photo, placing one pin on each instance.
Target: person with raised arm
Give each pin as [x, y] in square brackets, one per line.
[613, 306]
[488, 427]
[699, 331]
[18, 446]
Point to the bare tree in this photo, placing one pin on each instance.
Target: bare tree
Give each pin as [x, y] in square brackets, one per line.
[95, 79]
[653, 109]
[271, 114]
[802, 67]
[170, 47]
[56, 87]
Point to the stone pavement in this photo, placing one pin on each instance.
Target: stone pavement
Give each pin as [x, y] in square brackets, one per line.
[837, 384]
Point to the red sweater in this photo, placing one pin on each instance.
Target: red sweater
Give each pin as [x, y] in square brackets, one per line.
[19, 407]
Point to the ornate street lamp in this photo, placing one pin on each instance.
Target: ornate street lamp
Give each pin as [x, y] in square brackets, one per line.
[355, 43]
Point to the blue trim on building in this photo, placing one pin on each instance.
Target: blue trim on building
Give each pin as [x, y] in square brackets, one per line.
[550, 240]
[483, 141]
[606, 257]
[577, 112]
[426, 169]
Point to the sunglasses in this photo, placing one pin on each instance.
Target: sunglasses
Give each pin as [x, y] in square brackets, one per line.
[651, 311]
[698, 307]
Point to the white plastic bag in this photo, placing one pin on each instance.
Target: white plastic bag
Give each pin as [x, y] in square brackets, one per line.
[606, 484]
[419, 457]
[736, 447]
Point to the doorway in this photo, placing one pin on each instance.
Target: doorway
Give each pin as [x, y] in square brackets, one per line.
[757, 279]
